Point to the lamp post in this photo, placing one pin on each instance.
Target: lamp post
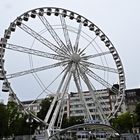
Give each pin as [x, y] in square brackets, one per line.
[132, 119]
[30, 121]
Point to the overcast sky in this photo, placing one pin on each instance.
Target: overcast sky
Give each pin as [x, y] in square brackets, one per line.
[120, 20]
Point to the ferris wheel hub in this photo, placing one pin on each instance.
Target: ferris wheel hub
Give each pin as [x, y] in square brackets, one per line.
[75, 57]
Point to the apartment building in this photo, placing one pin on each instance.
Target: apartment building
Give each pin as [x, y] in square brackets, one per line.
[132, 98]
[75, 105]
[34, 106]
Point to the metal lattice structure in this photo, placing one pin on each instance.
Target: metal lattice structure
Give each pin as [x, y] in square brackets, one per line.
[54, 50]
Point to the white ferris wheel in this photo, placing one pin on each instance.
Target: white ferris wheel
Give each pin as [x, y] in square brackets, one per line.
[52, 50]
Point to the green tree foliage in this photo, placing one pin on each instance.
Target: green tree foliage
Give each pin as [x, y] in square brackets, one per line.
[67, 122]
[15, 118]
[3, 120]
[14, 121]
[137, 111]
[11, 120]
[44, 108]
[124, 122]
[17, 121]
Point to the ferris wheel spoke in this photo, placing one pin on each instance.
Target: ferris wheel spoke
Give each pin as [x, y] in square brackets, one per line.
[21, 106]
[98, 105]
[60, 98]
[79, 89]
[99, 67]
[95, 55]
[78, 38]
[98, 97]
[34, 52]
[64, 77]
[46, 88]
[9, 76]
[66, 34]
[81, 51]
[99, 79]
[53, 33]
[57, 95]
[41, 39]
[66, 86]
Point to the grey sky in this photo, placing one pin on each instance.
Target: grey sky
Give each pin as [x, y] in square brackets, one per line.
[120, 21]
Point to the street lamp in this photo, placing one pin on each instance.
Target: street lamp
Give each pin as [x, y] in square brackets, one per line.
[132, 119]
[30, 121]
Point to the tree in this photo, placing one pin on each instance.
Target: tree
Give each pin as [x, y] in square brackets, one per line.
[44, 107]
[17, 121]
[137, 111]
[124, 122]
[15, 118]
[73, 120]
[12, 120]
[3, 120]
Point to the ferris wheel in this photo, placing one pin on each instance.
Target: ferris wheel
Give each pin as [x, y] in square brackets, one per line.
[52, 50]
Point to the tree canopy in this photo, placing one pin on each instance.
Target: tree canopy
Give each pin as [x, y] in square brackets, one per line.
[125, 122]
[137, 112]
[3, 120]
[14, 121]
